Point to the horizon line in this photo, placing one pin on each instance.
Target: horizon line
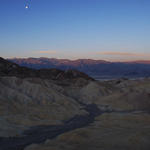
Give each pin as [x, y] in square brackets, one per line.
[137, 60]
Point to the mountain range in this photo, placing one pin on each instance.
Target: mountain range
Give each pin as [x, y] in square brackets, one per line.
[12, 69]
[95, 68]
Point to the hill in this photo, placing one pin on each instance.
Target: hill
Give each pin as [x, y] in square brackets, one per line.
[8, 68]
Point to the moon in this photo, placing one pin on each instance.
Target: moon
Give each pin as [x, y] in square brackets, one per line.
[26, 7]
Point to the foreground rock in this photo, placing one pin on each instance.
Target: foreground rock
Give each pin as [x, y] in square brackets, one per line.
[31, 102]
[108, 132]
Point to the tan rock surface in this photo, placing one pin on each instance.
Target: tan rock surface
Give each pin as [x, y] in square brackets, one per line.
[108, 132]
[26, 103]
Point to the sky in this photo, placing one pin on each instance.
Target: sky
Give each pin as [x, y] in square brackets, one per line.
[96, 29]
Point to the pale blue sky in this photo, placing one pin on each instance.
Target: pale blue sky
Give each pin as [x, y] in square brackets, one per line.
[98, 29]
